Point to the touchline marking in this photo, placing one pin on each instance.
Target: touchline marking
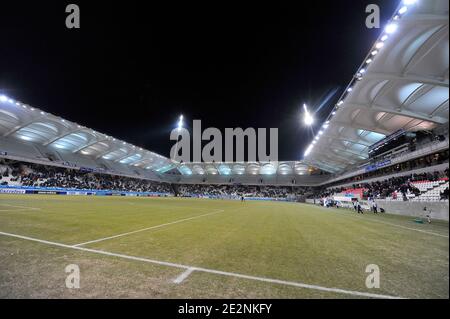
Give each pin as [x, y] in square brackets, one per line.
[206, 270]
[148, 228]
[15, 210]
[391, 224]
[419, 230]
[184, 275]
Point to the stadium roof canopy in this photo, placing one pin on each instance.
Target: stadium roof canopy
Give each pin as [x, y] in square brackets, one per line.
[247, 168]
[403, 83]
[29, 124]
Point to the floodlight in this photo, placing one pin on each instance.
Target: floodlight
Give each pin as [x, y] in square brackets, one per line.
[180, 122]
[403, 10]
[391, 28]
[308, 119]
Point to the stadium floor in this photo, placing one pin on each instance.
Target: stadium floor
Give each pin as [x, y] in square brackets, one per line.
[192, 248]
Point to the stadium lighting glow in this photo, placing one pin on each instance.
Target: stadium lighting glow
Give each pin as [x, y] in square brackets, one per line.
[403, 10]
[3, 98]
[374, 52]
[379, 45]
[180, 122]
[308, 150]
[384, 37]
[349, 89]
[308, 119]
[409, 2]
[11, 101]
[391, 28]
[362, 71]
[340, 103]
[368, 61]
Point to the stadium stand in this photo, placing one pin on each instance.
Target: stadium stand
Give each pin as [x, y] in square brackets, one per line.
[236, 191]
[15, 173]
[415, 187]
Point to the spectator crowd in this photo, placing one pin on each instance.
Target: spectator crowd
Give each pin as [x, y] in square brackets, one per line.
[26, 174]
[236, 191]
[50, 176]
[390, 187]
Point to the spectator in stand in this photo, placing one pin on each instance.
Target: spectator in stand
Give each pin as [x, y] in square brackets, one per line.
[444, 194]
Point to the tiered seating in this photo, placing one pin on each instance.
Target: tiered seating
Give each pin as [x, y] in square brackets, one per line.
[9, 180]
[430, 191]
[15, 173]
[398, 197]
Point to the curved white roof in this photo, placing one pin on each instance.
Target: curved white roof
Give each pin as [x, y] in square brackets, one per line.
[248, 168]
[402, 84]
[28, 124]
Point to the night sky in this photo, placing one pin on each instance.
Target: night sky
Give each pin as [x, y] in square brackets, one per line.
[133, 68]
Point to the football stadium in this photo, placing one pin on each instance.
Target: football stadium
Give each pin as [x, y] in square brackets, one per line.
[363, 212]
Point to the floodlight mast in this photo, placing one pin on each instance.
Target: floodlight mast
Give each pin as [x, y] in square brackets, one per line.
[307, 117]
[180, 122]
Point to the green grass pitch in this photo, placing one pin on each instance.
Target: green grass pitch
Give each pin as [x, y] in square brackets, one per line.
[225, 249]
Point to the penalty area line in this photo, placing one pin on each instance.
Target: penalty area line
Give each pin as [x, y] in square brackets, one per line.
[190, 269]
[148, 228]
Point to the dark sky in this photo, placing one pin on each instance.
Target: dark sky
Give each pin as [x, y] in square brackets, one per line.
[133, 68]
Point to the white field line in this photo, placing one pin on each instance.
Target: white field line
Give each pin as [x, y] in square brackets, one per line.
[19, 208]
[387, 223]
[404, 227]
[183, 276]
[14, 210]
[148, 228]
[211, 271]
